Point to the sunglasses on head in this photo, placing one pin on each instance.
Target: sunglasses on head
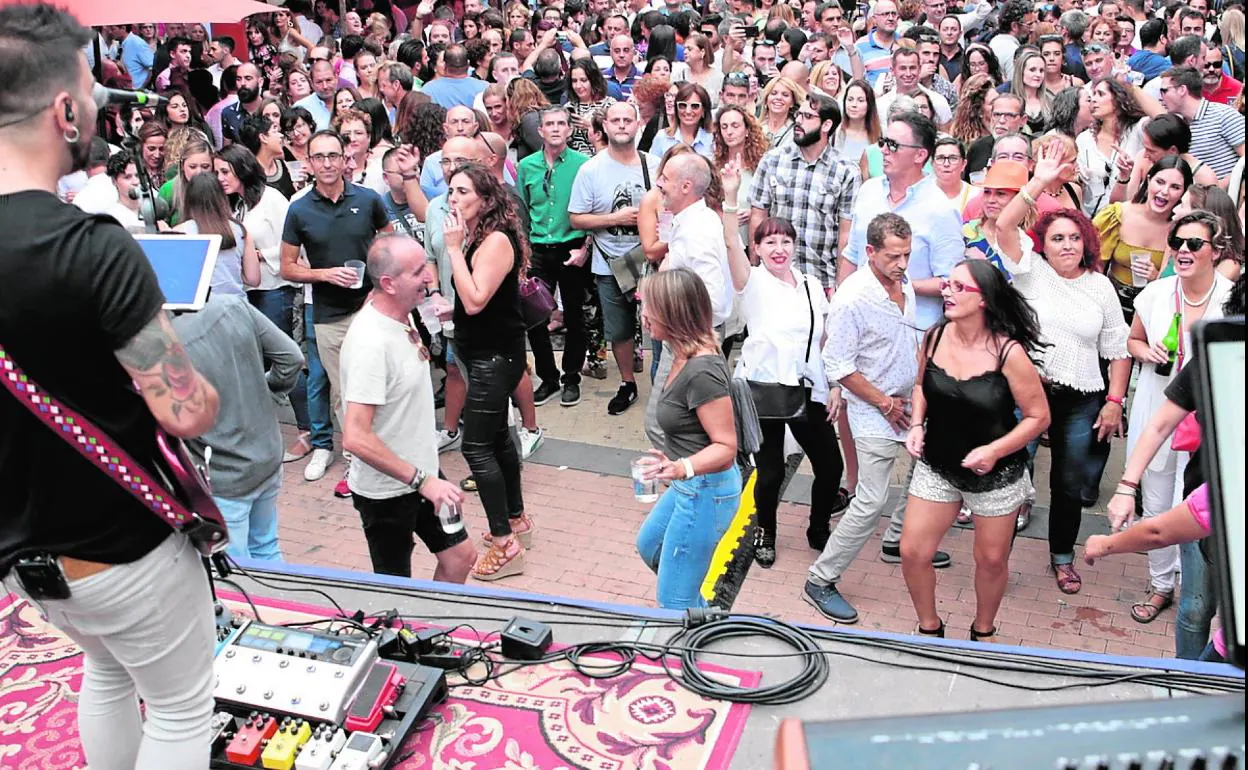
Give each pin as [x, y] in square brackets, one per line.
[737, 79]
[1095, 48]
[1193, 243]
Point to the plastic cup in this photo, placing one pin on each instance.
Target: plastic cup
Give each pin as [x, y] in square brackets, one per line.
[1141, 266]
[644, 490]
[358, 267]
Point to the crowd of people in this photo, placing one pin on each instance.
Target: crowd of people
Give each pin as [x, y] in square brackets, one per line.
[957, 232]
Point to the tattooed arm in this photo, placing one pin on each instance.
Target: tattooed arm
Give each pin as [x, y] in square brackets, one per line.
[181, 400]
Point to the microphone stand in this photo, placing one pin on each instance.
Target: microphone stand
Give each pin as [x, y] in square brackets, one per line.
[146, 190]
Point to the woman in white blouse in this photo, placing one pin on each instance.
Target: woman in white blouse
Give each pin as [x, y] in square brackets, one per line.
[785, 312]
[1081, 322]
[1197, 291]
[1117, 122]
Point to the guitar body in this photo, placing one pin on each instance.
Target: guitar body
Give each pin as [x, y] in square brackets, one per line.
[206, 528]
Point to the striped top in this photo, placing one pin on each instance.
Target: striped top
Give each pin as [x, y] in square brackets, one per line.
[876, 59]
[1217, 130]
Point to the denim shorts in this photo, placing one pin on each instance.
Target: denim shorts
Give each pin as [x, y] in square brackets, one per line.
[619, 313]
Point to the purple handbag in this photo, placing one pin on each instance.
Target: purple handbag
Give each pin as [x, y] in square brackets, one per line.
[536, 302]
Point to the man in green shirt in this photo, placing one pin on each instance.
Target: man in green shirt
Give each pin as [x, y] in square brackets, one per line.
[544, 183]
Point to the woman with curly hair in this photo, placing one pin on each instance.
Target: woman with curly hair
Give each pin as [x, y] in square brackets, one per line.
[524, 103]
[973, 114]
[649, 95]
[1113, 138]
[861, 127]
[780, 99]
[587, 94]
[489, 252]
[978, 59]
[426, 129]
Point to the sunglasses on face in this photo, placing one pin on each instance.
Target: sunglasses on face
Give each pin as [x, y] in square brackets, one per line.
[689, 106]
[957, 287]
[892, 145]
[1213, 65]
[1193, 243]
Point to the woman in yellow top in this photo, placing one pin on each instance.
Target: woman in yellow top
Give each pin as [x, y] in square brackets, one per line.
[1133, 235]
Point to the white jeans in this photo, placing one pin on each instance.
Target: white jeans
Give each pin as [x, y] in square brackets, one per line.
[147, 631]
[1161, 488]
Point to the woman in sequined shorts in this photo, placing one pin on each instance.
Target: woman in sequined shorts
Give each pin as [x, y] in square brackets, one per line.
[968, 446]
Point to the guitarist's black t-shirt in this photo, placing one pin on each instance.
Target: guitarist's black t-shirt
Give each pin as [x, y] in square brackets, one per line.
[73, 289]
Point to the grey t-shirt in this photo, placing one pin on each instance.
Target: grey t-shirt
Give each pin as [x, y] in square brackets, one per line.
[703, 379]
[603, 186]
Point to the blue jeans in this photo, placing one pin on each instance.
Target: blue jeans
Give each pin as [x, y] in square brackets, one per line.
[678, 538]
[319, 404]
[1070, 443]
[1197, 604]
[278, 305]
[252, 520]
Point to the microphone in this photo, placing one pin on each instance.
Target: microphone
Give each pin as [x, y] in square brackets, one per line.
[109, 96]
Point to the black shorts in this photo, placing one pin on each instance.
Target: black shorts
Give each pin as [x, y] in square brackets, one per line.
[389, 525]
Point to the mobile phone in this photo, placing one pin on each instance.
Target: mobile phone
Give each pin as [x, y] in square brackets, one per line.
[41, 577]
[750, 31]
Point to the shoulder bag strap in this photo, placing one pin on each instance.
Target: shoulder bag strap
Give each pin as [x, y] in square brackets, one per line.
[645, 170]
[810, 334]
[92, 443]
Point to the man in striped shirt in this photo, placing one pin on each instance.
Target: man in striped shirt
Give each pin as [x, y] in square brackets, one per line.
[876, 48]
[1217, 129]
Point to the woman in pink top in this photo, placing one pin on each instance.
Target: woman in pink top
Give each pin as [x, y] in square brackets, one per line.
[1185, 523]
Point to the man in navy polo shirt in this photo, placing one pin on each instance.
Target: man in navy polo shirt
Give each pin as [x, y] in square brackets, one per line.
[333, 223]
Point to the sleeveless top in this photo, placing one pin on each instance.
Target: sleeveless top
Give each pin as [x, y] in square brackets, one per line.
[965, 414]
[499, 327]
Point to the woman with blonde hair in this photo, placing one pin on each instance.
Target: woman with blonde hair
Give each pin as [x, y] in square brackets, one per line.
[524, 103]
[1231, 27]
[679, 536]
[827, 77]
[196, 157]
[1028, 85]
[780, 99]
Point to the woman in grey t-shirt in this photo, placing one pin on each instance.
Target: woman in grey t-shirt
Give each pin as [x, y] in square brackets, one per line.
[679, 536]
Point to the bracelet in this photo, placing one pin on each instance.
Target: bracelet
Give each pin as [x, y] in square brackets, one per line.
[1112, 399]
[731, 209]
[688, 466]
[410, 177]
[891, 406]
[918, 427]
[1120, 493]
[1131, 484]
[1026, 196]
[1124, 181]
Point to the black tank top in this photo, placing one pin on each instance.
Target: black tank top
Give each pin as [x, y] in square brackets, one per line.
[499, 327]
[965, 414]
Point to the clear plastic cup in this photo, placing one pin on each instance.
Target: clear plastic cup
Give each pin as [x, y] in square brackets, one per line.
[358, 267]
[451, 518]
[644, 490]
[1141, 266]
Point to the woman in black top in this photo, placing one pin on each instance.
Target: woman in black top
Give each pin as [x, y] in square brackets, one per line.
[975, 371]
[489, 252]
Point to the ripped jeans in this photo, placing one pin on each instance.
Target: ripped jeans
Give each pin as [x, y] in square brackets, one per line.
[679, 537]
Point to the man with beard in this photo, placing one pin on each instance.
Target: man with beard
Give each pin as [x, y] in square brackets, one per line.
[247, 76]
[819, 187]
[81, 313]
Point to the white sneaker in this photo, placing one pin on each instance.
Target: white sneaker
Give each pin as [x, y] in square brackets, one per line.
[320, 462]
[530, 441]
[448, 441]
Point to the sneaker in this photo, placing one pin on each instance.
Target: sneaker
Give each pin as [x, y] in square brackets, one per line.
[625, 397]
[545, 392]
[829, 602]
[764, 548]
[448, 440]
[320, 462]
[571, 395]
[530, 440]
[890, 553]
[596, 369]
[341, 490]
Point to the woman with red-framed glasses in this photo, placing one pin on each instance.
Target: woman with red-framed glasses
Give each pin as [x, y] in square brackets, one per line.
[969, 448]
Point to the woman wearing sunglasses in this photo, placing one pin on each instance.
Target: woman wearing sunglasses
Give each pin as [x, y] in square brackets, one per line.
[692, 125]
[1161, 338]
[1081, 323]
[969, 448]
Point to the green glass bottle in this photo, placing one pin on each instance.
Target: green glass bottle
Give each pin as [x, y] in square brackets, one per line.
[1171, 343]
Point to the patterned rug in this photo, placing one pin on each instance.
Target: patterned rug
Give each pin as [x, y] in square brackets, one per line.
[545, 717]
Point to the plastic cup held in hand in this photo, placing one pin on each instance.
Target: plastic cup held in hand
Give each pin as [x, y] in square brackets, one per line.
[644, 490]
[451, 518]
[358, 267]
[1141, 266]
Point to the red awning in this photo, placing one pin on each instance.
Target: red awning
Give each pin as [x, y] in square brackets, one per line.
[94, 13]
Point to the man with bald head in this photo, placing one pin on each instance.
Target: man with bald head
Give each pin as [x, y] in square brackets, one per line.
[696, 243]
[454, 88]
[389, 428]
[798, 72]
[250, 87]
[623, 72]
[460, 121]
[321, 101]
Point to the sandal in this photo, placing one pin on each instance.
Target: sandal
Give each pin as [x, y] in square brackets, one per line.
[522, 527]
[469, 484]
[1148, 610]
[764, 548]
[1068, 581]
[939, 633]
[496, 564]
[978, 635]
[963, 519]
[300, 449]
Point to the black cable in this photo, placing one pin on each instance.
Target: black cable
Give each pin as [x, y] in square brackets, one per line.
[318, 591]
[255, 611]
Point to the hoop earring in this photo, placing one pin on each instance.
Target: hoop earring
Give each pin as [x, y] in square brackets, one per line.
[72, 135]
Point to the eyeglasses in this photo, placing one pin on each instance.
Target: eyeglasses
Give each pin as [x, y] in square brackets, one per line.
[892, 145]
[325, 157]
[689, 106]
[1193, 243]
[1005, 115]
[807, 115]
[1162, 91]
[946, 160]
[957, 287]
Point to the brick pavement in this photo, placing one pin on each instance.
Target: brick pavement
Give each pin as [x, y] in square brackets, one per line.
[584, 549]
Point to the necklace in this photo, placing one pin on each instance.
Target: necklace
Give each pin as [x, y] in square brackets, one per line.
[1189, 303]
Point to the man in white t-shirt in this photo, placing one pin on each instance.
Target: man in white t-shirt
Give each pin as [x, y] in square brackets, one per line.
[389, 427]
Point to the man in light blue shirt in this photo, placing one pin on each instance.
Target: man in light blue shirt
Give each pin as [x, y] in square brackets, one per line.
[460, 121]
[138, 56]
[321, 101]
[937, 243]
[455, 88]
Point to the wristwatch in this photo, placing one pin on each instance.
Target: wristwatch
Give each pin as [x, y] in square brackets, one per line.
[418, 480]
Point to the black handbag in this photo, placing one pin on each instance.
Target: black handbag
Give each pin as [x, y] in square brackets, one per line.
[774, 401]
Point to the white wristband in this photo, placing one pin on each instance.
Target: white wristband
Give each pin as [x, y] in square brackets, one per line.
[688, 466]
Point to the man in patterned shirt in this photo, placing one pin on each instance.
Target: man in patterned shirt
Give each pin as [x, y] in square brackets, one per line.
[808, 183]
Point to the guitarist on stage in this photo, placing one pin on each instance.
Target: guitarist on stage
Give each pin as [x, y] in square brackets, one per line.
[80, 313]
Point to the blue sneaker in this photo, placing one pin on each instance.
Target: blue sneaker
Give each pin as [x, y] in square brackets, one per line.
[829, 602]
